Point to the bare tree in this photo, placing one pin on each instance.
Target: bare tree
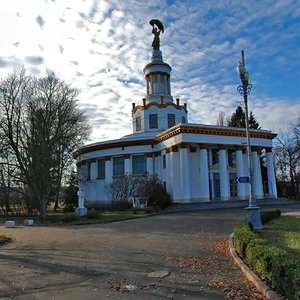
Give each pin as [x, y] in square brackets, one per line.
[287, 160]
[41, 123]
[149, 190]
[221, 119]
[122, 190]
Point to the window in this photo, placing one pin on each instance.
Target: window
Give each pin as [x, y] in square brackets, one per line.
[138, 124]
[101, 169]
[215, 156]
[118, 166]
[171, 120]
[139, 165]
[88, 171]
[164, 161]
[231, 158]
[183, 120]
[153, 121]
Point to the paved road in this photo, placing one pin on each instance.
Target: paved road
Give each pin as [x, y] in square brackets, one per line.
[113, 260]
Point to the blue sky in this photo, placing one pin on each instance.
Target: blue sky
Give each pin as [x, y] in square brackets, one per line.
[102, 47]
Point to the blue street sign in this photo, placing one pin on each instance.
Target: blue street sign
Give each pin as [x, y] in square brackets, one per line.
[243, 179]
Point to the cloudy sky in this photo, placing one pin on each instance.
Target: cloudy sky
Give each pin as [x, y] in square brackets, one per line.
[102, 46]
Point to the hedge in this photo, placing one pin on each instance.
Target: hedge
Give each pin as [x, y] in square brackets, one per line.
[270, 262]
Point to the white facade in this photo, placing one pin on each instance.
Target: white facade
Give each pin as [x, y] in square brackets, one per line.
[195, 162]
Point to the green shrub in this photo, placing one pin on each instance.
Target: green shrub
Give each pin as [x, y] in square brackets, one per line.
[242, 236]
[92, 214]
[270, 262]
[268, 215]
[68, 218]
[261, 255]
[67, 209]
[286, 277]
[4, 240]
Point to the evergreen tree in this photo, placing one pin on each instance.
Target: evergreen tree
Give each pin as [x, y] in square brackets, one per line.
[252, 122]
[237, 119]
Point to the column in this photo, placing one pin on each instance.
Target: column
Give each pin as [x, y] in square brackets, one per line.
[204, 179]
[224, 175]
[108, 169]
[257, 186]
[185, 180]
[150, 164]
[127, 164]
[169, 173]
[158, 165]
[211, 175]
[175, 169]
[240, 171]
[271, 174]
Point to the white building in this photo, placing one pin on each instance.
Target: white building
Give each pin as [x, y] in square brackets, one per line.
[195, 162]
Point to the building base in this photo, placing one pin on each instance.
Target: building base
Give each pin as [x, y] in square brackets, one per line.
[81, 212]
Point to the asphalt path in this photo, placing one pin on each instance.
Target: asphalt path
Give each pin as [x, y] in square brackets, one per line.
[114, 260]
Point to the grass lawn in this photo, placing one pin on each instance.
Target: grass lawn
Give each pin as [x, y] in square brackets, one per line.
[284, 232]
[59, 218]
[106, 216]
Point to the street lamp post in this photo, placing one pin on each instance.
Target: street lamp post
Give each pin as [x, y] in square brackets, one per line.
[253, 213]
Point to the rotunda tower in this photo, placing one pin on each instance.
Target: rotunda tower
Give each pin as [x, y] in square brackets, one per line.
[158, 111]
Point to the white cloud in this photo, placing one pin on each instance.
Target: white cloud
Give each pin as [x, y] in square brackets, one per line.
[102, 46]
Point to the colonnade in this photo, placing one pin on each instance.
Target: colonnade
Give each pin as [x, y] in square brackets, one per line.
[187, 185]
[190, 174]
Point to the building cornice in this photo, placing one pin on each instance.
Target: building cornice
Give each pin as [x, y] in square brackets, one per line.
[224, 131]
[159, 105]
[174, 131]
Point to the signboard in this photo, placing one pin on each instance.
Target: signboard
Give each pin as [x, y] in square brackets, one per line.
[243, 179]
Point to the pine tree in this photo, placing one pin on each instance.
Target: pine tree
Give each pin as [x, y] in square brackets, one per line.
[237, 119]
[253, 124]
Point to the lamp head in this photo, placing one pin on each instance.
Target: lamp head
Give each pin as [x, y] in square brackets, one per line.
[241, 69]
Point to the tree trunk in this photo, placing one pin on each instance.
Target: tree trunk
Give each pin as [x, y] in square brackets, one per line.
[43, 208]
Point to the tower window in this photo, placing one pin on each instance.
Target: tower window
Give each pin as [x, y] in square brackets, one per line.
[183, 120]
[138, 124]
[171, 120]
[153, 122]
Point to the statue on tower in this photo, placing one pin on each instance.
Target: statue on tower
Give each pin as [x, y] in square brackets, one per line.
[157, 28]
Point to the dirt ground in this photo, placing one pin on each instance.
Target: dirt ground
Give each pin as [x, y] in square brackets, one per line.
[113, 260]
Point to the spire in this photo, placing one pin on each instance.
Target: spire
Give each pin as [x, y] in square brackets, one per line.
[157, 28]
[157, 73]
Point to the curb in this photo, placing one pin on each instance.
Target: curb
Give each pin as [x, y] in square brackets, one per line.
[259, 284]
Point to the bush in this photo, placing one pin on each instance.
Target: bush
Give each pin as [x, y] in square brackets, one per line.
[126, 190]
[68, 218]
[92, 214]
[155, 193]
[243, 234]
[272, 263]
[268, 215]
[286, 277]
[4, 240]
